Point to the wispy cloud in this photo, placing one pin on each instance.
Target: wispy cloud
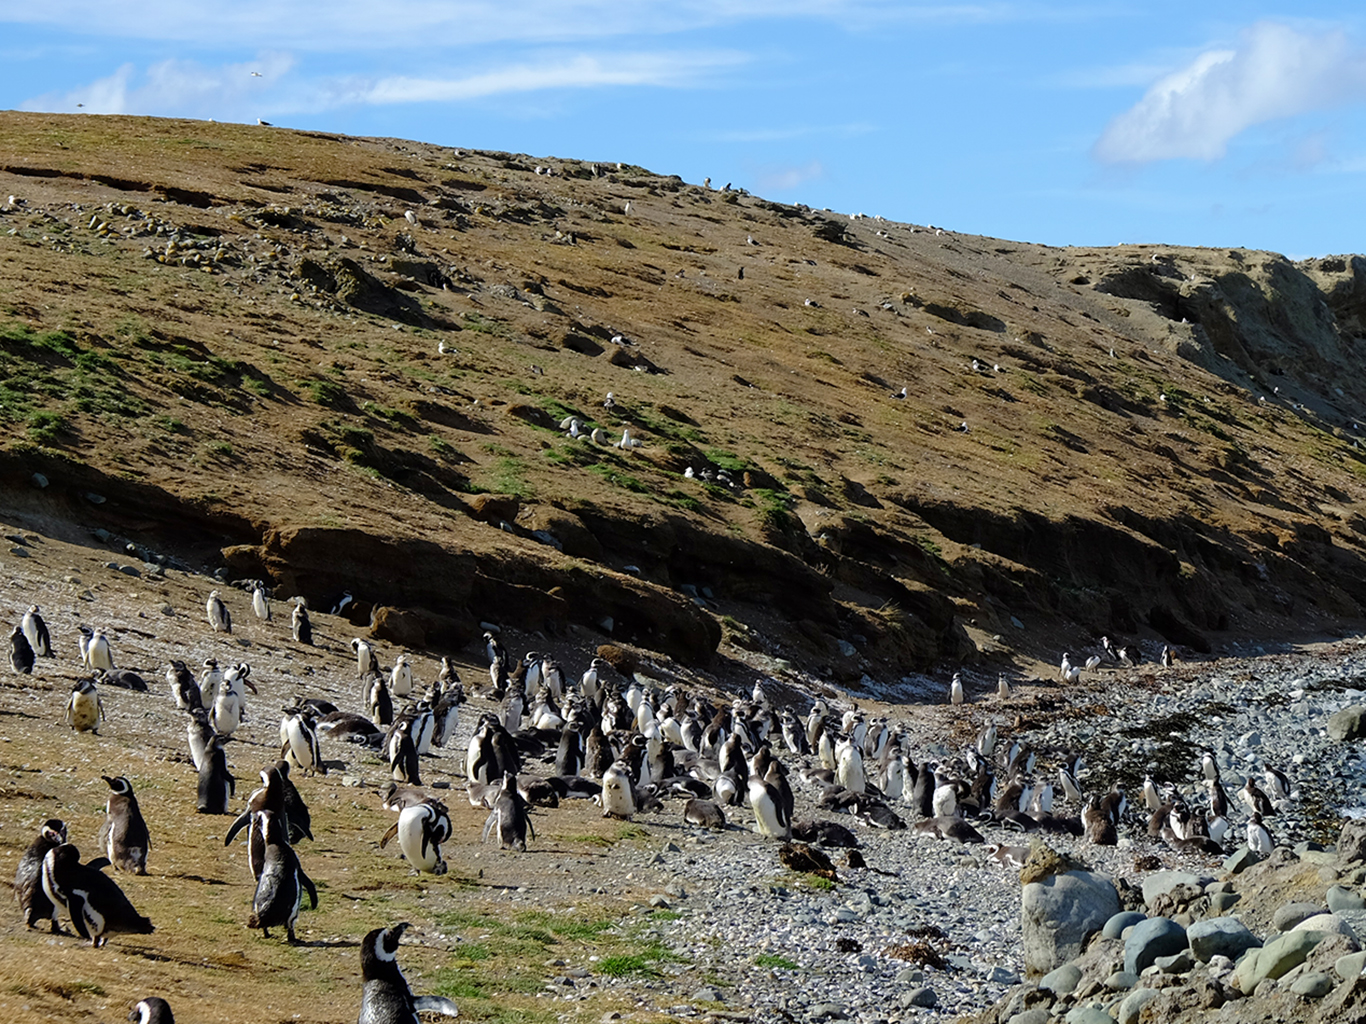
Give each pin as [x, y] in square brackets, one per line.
[792, 132]
[232, 92]
[784, 179]
[1275, 72]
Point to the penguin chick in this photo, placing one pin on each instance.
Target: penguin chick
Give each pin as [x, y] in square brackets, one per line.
[34, 903]
[85, 710]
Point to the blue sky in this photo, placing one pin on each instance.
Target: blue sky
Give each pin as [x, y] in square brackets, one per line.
[1219, 124]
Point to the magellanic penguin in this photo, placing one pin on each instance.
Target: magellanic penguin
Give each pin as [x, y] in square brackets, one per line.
[93, 900]
[771, 817]
[509, 819]
[403, 754]
[35, 631]
[279, 890]
[421, 829]
[385, 996]
[216, 783]
[95, 649]
[34, 903]
[366, 662]
[124, 833]
[200, 734]
[401, 677]
[152, 1010]
[618, 797]
[299, 745]
[219, 616]
[21, 656]
[84, 709]
[209, 682]
[300, 624]
[260, 604]
[184, 690]
[704, 813]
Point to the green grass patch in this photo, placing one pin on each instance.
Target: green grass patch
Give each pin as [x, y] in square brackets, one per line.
[722, 459]
[325, 392]
[394, 417]
[45, 426]
[774, 960]
[615, 476]
[628, 965]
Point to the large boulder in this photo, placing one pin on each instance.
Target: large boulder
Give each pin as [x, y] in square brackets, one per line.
[1058, 913]
[1220, 936]
[1351, 844]
[1277, 957]
[1348, 724]
[1150, 939]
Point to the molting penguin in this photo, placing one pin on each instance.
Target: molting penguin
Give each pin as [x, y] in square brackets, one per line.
[385, 996]
[300, 625]
[216, 783]
[200, 734]
[401, 677]
[260, 604]
[704, 813]
[21, 656]
[279, 890]
[219, 616]
[35, 631]
[618, 798]
[421, 829]
[95, 649]
[152, 1010]
[184, 690]
[93, 900]
[124, 833]
[509, 819]
[84, 709]
[34, 903]
[366, 662]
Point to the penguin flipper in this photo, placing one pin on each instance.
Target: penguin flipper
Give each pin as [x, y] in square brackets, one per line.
[393, 831]
[98, 864]
[530, 827]
[488, 824]
[307, 883]
[435, 1004]
[75, 906]
[237, 826]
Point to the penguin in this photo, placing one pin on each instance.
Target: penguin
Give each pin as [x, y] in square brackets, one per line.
[1209, 767]
[343, 602]
[152, 1010]
[421, 829]
[481, 757]
[401, 677]
[956, 694]
[260, 604]
[209, 682]
[552, 677]
[123, 678]
[446, 713]
[35, 631]
[509, 819]
[200, 734]
[704, 814]
[219, 616]
[84, 709]
[422, 728]
[216, 783]
[1002, 687]
[300, 625]
[300, 743]
[21, 656]
[95, 650]
[1277, 783]
[771, 818]
[184, 690]
[34, 902]
[1259, 836]
[229, 709]
[589, 682]
[270, 797]
[124, 832]
[618, 797]
[366, 662]
[794, 736]
[1255, 800]
[93, 900]
[279, 890]
[350, 728]
[569, 755]
[385, 995]
[296, 811]
[403, 754]
[1166, 658]
[378, 702]
[849, 771]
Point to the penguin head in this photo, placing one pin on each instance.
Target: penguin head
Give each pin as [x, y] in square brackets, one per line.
[152, 1010]
[54, 831]
[86, 685]
[379, 951]
[119, 785]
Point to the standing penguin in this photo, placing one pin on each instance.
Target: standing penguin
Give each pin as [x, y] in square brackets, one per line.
[200, 734]
[279, 890]
[300, 742]
[509, 818]
[300, 624]
[184, 690]
[421, 829]
[378, 702]
[401, 677]
[366, 662]
[385, 996]
[84, 709]
[93, 900]
[403, 754]
[152, 1010]
[209, 682]
[618, 797]
[771, 816]
[216, 783]
[219, 616]
[34, 903]
[35, 631]
[260, 604]
[124, 833]
[21, 656]
[96, 650]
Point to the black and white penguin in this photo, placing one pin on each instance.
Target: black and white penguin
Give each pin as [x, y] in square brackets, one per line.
[421, 829]
[445, 704]
[93, 900]
[200, 734]
[34, 903]
[403, 764]
[299, 741]
[270, 797]
[229, 708]
[184, 690]
[35, 631]
[342, 603]
[124, 833]
[21, 656]
[385, 996]
[1259, 838]
[279, 890]
[84, 709]
[123, 678]
[771, 817]
[210, 679]
[219, 616]
[1277, 783]
[509, 819]
[378, 702]
[216, 783]
[704, 813]
[618, 794]
[366, 662]
[300, 624]
[350, 727]
[260, 604]
[481, 756]
[300, 820]
[152, 1010]
[1255, 800]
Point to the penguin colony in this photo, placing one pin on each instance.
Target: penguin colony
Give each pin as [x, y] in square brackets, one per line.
[620, 741]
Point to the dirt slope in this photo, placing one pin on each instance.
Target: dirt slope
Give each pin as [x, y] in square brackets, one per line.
[342, 364]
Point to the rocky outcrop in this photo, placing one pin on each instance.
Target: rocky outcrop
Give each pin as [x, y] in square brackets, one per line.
[1059, 913]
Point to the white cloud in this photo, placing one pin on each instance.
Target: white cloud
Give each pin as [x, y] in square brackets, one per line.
[784, 179]
[1275, 72]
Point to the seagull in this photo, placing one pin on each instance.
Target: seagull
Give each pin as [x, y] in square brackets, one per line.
[900, 394]
[264, 124]
[441, 348]
[610, 401]
[962, 428]
[256, 74]
[410, 216]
